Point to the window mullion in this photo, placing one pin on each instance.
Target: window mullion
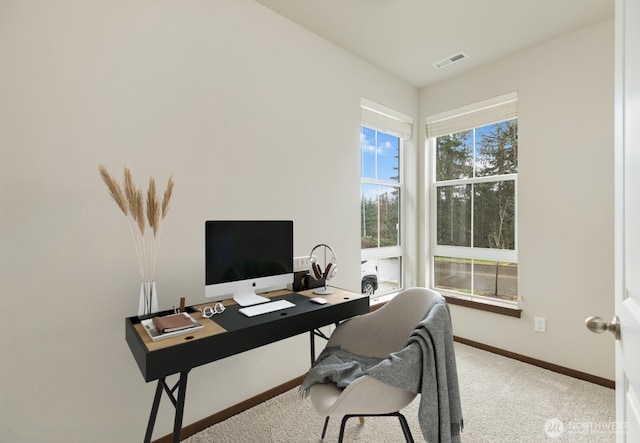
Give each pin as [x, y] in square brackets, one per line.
[472, 215]
[485, 179]
[504, 255]
[372, 181]
[378, 214]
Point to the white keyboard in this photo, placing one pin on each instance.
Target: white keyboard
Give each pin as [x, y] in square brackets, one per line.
[265, 308]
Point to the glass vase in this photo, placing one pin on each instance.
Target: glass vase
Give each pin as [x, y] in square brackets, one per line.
[148, 298]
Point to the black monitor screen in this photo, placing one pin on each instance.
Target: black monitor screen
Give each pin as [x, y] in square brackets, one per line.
[241, 250]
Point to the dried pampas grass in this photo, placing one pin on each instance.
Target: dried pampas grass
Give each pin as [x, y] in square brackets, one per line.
[153, 207]
[131, 201]
[114, 190]
[167, 197]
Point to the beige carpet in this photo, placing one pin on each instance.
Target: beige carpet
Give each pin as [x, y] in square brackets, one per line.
[503, 400]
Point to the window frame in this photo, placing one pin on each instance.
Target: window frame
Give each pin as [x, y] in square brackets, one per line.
[385, 120]
[458, 120]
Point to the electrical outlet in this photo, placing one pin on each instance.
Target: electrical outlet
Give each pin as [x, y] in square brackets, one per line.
[540, 324]
[301, 263]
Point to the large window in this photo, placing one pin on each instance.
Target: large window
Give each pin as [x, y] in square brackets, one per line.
[474, 199]
[381, 137]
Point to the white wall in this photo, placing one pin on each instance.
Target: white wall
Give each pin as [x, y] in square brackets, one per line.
[254, 117]
[565, 196]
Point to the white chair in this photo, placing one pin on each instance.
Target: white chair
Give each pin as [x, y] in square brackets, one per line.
[376, 334]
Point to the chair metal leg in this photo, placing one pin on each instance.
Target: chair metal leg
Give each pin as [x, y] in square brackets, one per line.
[324, 428]
[342, 425]
[403, 423]
[405, 428]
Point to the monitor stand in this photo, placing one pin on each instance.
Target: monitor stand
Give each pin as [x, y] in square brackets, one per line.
[249, 298]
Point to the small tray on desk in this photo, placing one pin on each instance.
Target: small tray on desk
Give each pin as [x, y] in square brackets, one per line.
[155, 334]
[208, 328]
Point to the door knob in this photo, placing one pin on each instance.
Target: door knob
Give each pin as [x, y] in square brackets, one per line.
[598, 325]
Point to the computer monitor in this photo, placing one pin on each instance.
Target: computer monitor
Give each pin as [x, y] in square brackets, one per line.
[247, 257]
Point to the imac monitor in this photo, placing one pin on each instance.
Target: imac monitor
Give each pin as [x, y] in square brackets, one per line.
[244, 258]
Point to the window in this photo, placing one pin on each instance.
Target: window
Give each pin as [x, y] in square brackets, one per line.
[474, 201]
[381, 137]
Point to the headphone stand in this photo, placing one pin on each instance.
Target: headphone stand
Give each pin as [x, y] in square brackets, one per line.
[326, 274]
[323, 291]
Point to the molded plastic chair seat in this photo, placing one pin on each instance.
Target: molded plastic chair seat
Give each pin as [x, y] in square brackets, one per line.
[366, 395]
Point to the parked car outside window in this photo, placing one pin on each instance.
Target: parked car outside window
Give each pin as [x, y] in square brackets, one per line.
[369, 277]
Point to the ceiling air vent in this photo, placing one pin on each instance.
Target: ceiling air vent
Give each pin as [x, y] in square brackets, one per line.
[450, 60]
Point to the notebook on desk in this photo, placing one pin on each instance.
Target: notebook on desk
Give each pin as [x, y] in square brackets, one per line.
[156, 334]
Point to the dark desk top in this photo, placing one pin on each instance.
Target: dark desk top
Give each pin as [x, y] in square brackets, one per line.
[231, 332]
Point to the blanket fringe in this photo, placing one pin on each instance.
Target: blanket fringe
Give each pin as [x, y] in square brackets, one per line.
[304, 393]
[457, 428]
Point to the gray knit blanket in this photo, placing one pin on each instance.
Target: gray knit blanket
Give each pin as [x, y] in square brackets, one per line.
[426, 365]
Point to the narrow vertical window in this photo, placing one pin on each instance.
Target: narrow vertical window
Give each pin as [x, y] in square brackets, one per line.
[381, 138]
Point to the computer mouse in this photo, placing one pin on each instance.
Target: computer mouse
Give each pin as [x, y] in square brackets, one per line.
[318, 300]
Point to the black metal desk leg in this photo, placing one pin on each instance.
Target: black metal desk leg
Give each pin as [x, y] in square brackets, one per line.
[182, 392]
[154, 413]
[312, 335]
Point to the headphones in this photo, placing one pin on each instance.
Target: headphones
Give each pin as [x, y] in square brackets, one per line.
[330, 269]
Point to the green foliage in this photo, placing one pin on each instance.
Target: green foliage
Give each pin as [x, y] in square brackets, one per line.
[454, 156]
[380, 220]
[492, 207]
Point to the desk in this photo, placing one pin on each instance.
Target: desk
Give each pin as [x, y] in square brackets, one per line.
[228, 334]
